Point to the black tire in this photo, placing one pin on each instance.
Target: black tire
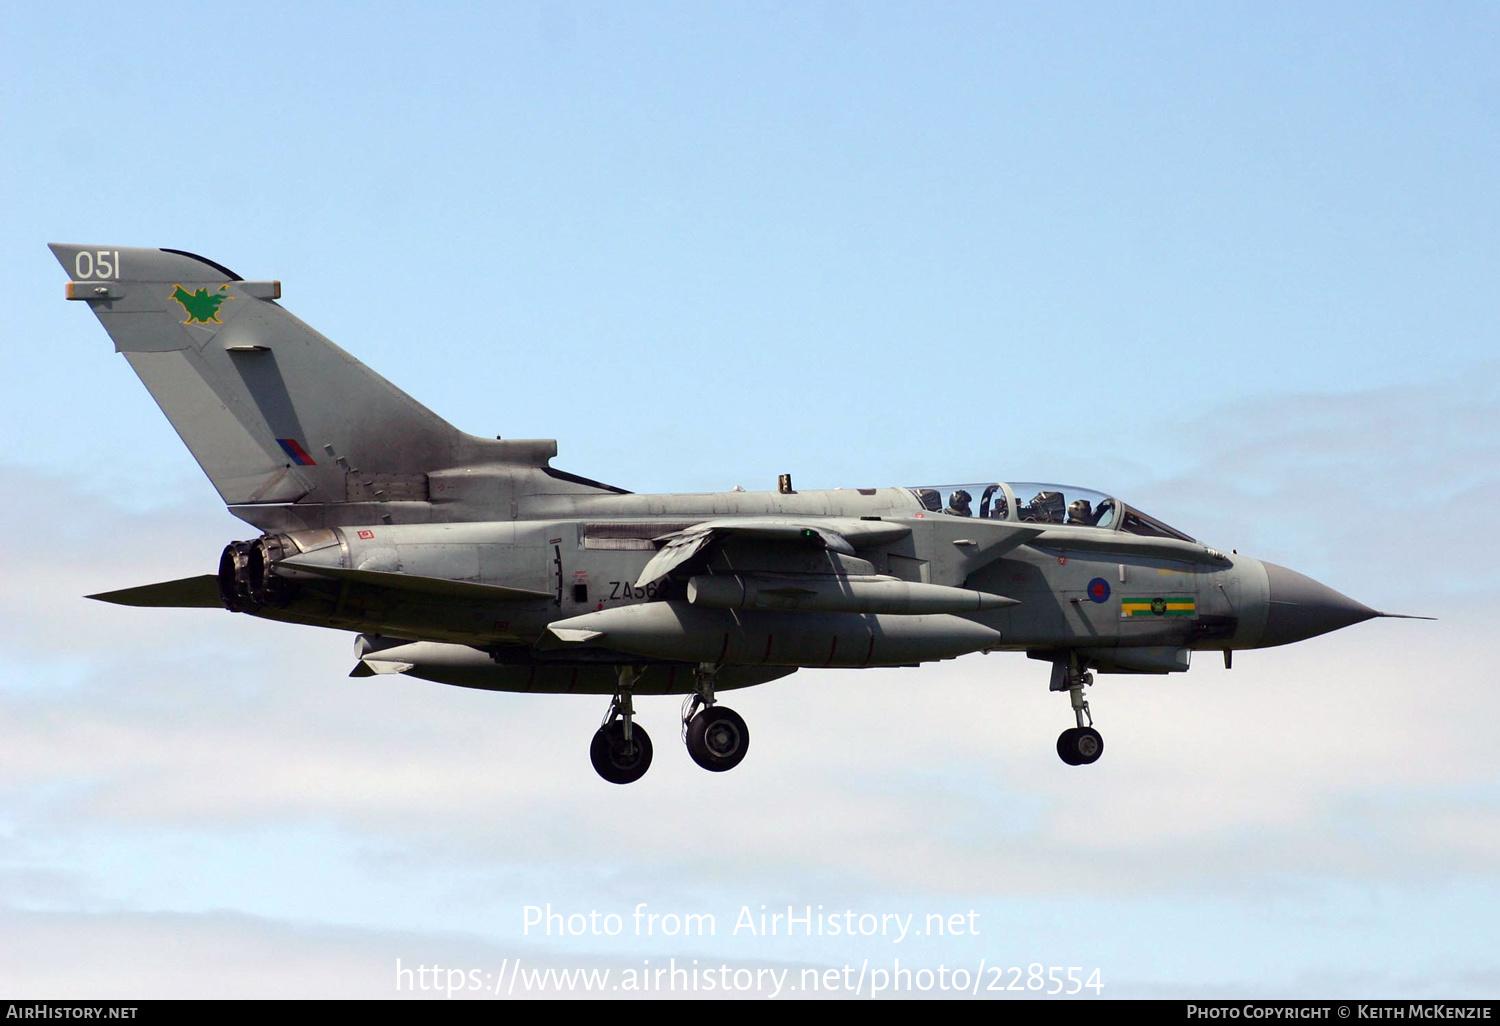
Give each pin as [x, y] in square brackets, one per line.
[1080, 746]
[616, 761]
[718, 739]
[1065, 748]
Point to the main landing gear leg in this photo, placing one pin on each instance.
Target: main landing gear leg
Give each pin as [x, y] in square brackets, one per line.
[717, 738]
[621, 749]
[1080, 745]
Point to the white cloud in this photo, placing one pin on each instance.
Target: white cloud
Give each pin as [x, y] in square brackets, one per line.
[141, 956]
[1378, 490]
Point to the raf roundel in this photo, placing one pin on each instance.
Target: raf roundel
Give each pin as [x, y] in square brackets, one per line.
[1099, 590]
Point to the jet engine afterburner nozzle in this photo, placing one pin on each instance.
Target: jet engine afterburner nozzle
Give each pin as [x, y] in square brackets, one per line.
[247, 580]
[234, 588]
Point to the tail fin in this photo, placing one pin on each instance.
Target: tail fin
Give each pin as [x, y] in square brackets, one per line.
[272, 410]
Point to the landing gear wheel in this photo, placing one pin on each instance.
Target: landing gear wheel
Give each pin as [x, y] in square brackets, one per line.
[615, 759]
[1080, 746]
[1065, 746]
[718, 739]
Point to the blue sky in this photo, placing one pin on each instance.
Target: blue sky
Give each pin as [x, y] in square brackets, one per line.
[1233, 262]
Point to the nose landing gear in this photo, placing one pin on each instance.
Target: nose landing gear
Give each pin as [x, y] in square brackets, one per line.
[1081, 745]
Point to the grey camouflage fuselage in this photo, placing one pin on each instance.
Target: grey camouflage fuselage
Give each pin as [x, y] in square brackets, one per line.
[472, 561]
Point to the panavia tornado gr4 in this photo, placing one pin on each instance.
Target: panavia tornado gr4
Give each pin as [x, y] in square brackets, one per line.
[472, 561]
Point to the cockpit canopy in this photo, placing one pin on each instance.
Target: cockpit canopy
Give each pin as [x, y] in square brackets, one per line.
[1031, 503]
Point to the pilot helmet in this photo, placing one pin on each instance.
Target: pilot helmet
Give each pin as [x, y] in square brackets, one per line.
[1080, 509]
[960, 499]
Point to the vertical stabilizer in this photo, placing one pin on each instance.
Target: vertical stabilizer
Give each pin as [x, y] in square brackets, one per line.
[273, 411]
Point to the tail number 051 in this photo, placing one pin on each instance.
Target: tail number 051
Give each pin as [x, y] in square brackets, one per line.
[97, 265]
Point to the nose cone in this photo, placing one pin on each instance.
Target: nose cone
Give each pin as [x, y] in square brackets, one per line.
[1301, 608]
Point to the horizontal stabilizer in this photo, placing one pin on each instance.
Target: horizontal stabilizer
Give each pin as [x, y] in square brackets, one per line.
[189, 593]
[425, 585]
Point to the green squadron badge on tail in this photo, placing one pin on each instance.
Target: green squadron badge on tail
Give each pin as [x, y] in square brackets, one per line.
[201, 307]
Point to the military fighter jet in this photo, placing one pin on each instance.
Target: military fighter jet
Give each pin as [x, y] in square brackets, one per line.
[472, 561]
